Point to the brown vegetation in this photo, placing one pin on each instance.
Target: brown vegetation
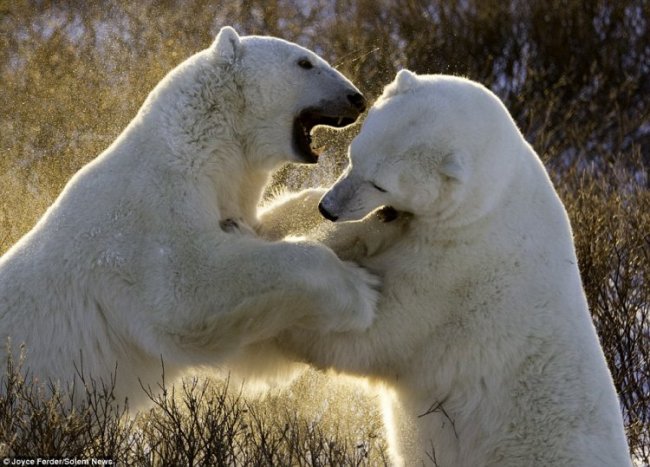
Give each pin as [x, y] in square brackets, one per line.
[199, 422]
[575, 74]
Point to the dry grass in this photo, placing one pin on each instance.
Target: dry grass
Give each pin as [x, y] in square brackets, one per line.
[200, 421]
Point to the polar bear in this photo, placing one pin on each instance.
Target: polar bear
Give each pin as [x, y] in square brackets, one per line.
[137, 259]
[482, 340]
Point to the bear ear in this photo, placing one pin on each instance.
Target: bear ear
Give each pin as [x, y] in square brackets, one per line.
[406, 80]
[453, 166]
[227, 44]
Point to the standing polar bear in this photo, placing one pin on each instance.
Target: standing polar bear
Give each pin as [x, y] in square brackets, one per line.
[137, 258]
[482, 337]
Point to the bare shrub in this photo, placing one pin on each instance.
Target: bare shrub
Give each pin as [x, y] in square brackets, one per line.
[197, 422]
[40, 418]
[610, 213]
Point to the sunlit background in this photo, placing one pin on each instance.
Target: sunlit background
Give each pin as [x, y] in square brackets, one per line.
[574, 74]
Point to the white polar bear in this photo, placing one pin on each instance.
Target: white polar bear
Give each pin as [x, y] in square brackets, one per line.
[136, 259]
[482, 337]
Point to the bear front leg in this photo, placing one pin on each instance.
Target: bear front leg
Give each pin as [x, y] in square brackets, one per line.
[356, 240]
[291, 214]
[297, 215]
[243, 290]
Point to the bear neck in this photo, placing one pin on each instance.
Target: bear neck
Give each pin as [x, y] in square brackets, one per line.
[200, 139]
[239, 193]
[474, 208]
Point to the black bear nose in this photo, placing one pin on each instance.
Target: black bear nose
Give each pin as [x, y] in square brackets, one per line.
[358, 101]
[326, 214]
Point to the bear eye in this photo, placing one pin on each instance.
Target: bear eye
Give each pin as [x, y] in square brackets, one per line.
[306, 64]
[378, 188]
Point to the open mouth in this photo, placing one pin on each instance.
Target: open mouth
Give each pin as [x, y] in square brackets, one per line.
[387, 214]
[305, 122]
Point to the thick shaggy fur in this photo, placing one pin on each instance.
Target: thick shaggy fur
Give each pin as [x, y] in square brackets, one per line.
[483, 339]
[137, 259]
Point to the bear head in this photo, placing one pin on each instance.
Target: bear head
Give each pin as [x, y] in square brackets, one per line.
[430, 146]
[287, 90]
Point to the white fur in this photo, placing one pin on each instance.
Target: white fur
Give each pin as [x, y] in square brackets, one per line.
[483, 338]
[131, 265]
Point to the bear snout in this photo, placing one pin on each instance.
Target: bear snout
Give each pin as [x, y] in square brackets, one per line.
[325, 213]
[358, 101]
